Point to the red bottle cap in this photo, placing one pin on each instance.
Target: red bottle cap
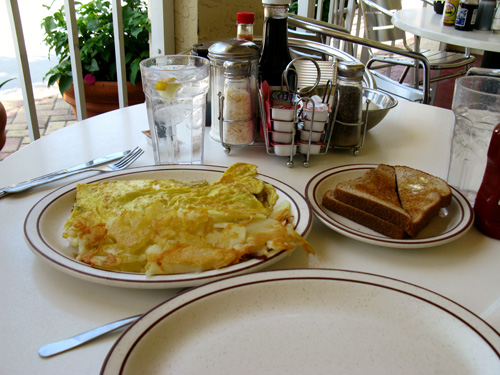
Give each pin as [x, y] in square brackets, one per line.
[244, 17]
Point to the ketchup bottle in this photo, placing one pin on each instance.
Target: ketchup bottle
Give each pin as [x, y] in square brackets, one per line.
[487, 204]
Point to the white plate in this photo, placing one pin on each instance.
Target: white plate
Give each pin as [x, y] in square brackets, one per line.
[308, 321]
[43, 229]
[441, 230]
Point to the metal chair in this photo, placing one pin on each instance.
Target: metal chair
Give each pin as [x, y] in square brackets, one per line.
[420, 94]
[477, 71]
[377, 16]
[339, 14]
[307, 73]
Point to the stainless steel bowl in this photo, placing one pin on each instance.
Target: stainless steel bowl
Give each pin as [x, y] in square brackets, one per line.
[384, 103]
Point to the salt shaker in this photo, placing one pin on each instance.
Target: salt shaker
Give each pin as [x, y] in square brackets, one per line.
[487, 203]
[234, 50]
[238, 121]
[348, 126]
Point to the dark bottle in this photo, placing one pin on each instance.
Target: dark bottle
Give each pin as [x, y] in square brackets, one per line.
[275, 54]
[487, 203]
[466, 15]
[485, 14]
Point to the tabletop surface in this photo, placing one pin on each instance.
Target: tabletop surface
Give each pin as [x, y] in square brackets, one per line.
[428, 24]
[41, 304]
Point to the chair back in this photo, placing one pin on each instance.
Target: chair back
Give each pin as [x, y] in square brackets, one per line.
[306, 71]
[377, 20]
[325, 29]
[338, 12]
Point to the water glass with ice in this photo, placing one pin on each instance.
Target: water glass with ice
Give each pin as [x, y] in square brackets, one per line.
[476, 106]
[176, 87]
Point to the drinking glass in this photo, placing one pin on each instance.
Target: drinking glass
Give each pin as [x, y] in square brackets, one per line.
[476, 106]
[176, 87]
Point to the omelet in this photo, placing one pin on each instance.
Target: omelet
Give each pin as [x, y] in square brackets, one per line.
[169, 227]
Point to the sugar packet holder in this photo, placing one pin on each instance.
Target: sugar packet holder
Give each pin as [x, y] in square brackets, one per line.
[284, 131]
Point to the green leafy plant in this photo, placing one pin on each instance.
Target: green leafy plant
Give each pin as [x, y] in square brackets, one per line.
[4, 82]
[96, 41]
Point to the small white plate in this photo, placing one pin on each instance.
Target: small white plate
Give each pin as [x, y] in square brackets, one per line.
[442, 229]
[309, 321]
[44, 224]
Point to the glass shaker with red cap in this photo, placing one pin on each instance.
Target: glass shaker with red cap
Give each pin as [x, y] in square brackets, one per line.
[244, 25]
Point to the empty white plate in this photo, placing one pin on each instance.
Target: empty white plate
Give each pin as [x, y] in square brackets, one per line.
[308, 321]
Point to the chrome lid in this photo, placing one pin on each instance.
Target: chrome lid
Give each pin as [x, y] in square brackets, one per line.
[350, 70]
[233, 49]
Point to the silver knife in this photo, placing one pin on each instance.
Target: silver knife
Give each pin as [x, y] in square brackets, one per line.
[61, 173]
[54, 348]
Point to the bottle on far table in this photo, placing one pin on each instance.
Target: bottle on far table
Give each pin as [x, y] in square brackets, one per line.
[450, 12]
[275, 55]
[485, 14]
[244, 25]
[495, 22]
[487, 203]
[466, 15]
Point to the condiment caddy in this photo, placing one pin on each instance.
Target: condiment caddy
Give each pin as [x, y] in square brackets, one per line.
[312, 125]
[292, 124]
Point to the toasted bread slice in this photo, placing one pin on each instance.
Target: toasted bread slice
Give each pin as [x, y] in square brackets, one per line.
[375, 193]
[421, 195]
[361, 217]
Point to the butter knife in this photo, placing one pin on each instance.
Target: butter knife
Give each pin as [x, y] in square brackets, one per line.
[54, 348]
[15, 188]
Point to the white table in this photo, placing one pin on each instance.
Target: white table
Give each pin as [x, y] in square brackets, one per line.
[41, 304]
[424, 22]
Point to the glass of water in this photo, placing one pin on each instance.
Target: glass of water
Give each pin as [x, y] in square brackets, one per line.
[176, 87]
[476, 106]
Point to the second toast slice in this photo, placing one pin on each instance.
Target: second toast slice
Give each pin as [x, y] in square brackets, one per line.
[375, 193]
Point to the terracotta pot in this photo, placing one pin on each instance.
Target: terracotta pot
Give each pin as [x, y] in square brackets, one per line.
[3, 124]
[102, 96]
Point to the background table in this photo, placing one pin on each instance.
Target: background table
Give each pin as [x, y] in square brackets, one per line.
[41, 304]
[424, 22]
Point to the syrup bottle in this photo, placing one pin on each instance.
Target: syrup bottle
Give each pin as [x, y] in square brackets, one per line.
[466, 15]
[487, 204]
[244, 25]
[275, 54]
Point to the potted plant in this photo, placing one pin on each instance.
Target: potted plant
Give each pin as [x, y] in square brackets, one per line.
[3, 118]
[97, 49]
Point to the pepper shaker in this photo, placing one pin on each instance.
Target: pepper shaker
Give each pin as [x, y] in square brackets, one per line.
[348, 126]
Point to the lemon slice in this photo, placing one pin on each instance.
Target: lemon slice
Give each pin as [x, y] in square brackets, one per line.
[167, 88]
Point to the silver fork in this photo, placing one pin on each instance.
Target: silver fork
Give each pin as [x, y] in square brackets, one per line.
[117, 166]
